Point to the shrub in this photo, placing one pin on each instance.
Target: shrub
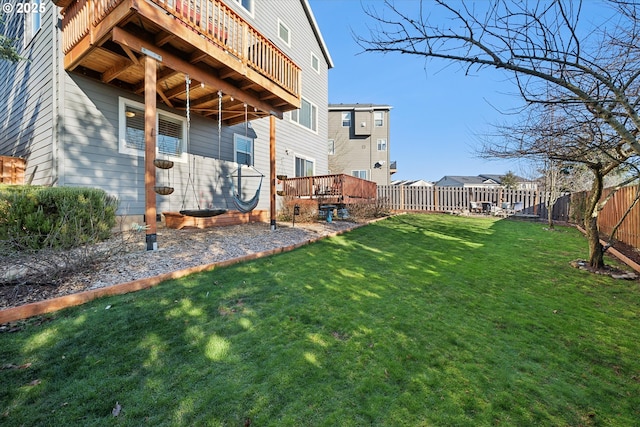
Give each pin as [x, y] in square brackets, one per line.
[34, 218]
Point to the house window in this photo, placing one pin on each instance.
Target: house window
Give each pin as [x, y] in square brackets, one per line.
[306, 116]
[382, 144]
[171, 130]
[32, 12]
[346, 119]
[246, 4]
[378, 118]
[332, 147]
[283, 33]
[243, 149]
[315, 63]
[360, 174]
[304, 167]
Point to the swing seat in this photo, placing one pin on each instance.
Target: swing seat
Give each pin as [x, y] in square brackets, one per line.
[203, 213]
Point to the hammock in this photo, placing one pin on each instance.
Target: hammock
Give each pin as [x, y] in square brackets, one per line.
[245, 206]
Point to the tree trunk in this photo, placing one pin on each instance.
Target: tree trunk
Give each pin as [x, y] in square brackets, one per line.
[596, 252]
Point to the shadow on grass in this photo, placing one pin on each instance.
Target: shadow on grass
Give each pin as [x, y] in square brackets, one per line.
[415, 320]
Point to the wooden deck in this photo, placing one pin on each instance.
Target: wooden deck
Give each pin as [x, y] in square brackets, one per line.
[337, 189]
[204, 39]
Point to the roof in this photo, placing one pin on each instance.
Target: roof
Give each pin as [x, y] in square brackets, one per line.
[359, 107]
[316, 31]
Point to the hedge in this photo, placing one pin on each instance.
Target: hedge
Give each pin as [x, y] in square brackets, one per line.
[36, 217]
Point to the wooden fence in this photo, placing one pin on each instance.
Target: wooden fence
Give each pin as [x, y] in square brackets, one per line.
[629, 230]
[459, 199]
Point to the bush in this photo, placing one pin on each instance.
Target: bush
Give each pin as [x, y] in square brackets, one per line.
[35, 218]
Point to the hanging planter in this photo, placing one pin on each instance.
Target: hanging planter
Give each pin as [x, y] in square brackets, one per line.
[280, 193]
[281, 177]
[163, 164]
[163, 190]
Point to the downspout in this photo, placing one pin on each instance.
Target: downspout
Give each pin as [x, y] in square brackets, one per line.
[55, 92]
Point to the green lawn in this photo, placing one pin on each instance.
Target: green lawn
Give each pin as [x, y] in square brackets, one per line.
[416, 320]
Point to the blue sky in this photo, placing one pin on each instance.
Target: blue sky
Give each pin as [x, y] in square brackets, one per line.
[438, 112]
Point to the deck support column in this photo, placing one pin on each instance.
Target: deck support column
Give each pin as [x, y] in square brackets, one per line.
[150, 68]
[272, 170]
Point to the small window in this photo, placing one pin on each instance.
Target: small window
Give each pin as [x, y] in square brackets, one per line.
[315, 63]
[284, 33]
[378, 117]
[382, 144]
[246, 4]
[360, 174]
[243, 148]
[32, 12]
[306, 116]
[332, 147]
[304, 167]
[171, 131]
[346, 119]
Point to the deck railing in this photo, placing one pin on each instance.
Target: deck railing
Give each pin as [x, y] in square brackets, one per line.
[212, 19]
[337, 188]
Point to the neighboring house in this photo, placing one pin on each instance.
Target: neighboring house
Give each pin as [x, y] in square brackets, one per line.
[483, 181]
[413, 183]
[359, 141]
[103, 92]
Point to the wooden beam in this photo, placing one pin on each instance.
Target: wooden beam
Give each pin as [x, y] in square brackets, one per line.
[150, 131]
[164, 97]
[165, 74]
[163, 38]
[132, 56]
[197, 56]
[122, 37]
[272, 170]
[166, 22]
[117, 69]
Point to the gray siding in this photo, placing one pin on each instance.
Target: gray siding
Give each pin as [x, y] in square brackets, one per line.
[293, 140]
[53, 117]
[27, 97]
[356, 147]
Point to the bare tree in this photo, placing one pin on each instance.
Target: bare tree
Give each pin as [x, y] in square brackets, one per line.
[553, 57]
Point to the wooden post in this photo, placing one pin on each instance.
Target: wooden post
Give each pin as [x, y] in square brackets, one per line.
[272, 170]
[150, 151]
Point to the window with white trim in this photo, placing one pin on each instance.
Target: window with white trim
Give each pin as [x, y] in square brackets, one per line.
[246, 4]
[382, 144]
[346, 119]
[32, 12]
[315, 63]
[332, 147]
[306, 116]
[284, 33]
[171, 131]
[378, 118]
[304, 167]
[243, 149]
[359, 174]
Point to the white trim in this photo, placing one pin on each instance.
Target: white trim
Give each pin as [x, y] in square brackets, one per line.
[285, 26]
[313, 56]
[375, 120]
[331, 146]
[122, 131]
[249, 11]
[342, 120]
[314, 118]
[297, 156]
[237, 136]
[366, 173]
